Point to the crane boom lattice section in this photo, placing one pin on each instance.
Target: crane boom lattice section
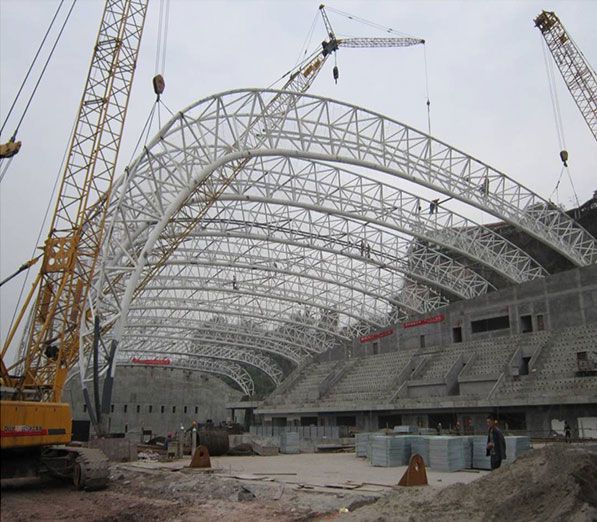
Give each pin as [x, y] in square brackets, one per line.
[73, 245]
[578, 74]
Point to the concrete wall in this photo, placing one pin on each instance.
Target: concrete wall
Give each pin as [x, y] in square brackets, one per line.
[143, 391]
[562, 300]
[536, 421]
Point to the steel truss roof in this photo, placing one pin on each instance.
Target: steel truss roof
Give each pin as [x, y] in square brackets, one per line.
[252, 209]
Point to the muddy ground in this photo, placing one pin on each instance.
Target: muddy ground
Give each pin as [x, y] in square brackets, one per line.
[551, 484]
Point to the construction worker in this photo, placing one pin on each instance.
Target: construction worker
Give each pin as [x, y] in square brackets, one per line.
[496, 443]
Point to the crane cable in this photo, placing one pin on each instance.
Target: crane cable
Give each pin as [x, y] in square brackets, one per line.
[428, 102]
[557, 114]
[400, 33]
[22, 86]
[43, 228]
[368, 22]
[162, 40]
[43, 71]
[160, 65]
[307, 42]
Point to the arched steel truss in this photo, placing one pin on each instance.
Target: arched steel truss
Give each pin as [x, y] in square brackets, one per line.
[140, 348]
[245, 176]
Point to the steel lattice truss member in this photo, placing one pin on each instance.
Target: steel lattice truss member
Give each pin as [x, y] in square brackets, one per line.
[183, 348]
[228, 369]
[50, 345]
[204, 153]
[577, 72]
[290, 189]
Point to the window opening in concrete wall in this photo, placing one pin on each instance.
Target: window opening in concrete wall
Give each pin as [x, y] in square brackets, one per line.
[126, 428]
[457, 334]
[389, 421]
[125, 408]
[375, 348]
[492, 323]
[524, 370]
[346, 420]
[540, 322]
[422, 341]
[162, 409]
[173, 409]
[138, 408]
[279, 422]
[185, 409]
[196, 410]
[84, 407]
[112, 408]
[512, 421]
[526, 323]
[150, 408]
[442, 421]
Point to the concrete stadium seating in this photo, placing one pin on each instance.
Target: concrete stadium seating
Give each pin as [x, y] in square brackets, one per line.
[518, 367]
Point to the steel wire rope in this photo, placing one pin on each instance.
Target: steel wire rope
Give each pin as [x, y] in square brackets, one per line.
[368, 22]
[557, 114]
[31, 67]
[159, 38]
[305, 47]
[165, 36]
[162, 39]
[5, 167]
[43, 225]
[44, 68]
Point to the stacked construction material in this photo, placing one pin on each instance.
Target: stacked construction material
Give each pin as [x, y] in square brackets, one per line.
[420, 445]
[446, 453]
[516, 446]
[289, 442]
[406, 429]
[480, 460]
[390, 451]
[361, 444]
[468, 451]
[427, 431]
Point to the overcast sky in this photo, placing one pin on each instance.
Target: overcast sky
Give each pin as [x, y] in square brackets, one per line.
[487, 80]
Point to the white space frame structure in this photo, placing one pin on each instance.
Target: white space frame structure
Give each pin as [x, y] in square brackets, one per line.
[254, 227]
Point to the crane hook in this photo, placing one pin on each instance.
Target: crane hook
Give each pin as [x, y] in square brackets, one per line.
[336, 73]
[158, 85]
[564, 157]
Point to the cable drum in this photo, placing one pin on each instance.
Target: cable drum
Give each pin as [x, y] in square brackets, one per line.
[216, 441]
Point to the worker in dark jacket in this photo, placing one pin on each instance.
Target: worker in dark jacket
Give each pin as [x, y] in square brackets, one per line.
[496, 443]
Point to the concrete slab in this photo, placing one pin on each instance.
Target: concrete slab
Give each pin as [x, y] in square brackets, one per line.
[321, 469]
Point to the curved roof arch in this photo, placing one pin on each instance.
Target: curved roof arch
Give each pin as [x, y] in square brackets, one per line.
[190, 169]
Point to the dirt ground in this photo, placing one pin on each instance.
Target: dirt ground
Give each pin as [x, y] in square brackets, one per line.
[551, 484]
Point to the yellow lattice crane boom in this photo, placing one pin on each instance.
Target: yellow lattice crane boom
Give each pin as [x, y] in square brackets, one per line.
[32, 415]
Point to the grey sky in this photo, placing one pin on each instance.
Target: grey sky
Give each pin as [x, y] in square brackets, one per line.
[487, 82]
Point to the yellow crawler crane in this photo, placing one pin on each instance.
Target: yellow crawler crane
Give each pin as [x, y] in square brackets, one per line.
[35, 424]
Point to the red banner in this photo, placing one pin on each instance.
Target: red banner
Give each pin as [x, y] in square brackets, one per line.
[375, 336]
[151, 362]
[429, 320]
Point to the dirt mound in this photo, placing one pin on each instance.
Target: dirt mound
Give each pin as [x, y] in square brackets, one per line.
[555, 483]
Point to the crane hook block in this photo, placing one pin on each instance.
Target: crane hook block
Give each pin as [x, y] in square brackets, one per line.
[564, 157]
[8, 150]
[158, 84]
[336, 73]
